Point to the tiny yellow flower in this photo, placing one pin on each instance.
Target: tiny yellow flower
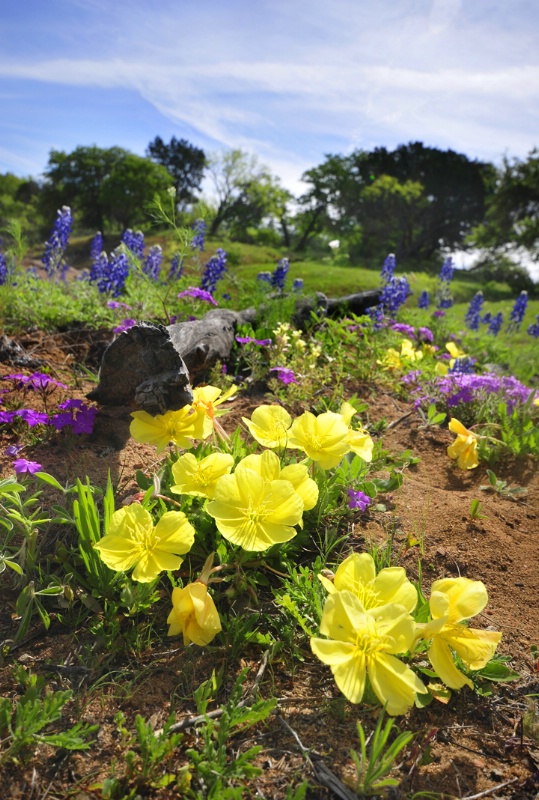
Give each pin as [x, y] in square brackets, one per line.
[269, 467]
[323, 438]
[194, 614]
[161, 430]
[269, 425]
[199, 478]
[453, 600]
[133, 541]
[455, 352]
[365, 642]
[357, 574]
[206, 402]
[255, 513]
[359, 440]
[464, 448]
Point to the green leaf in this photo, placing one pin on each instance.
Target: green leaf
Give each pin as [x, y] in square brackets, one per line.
[51, 480]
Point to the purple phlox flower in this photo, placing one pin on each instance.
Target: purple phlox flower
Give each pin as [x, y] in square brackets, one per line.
[284, 374]
[32, 417]
[387, 272]
[22, 465]
[495, 323]
[117, 304]
[7, 416]
[425, 335]
[13, 449]
[401, 327]
[58, 241]
[38, 380]
[507, 387]
[134, 241]
[438, 314]
[214, 271]
[423, 300]
[250, 340]
[152, 262]
[298, 285]
[199, 228]
[533, 329]
[96, 246]
[518, 311]
[412, 377]
[280, 272]
[473, 314]
[124, 325]
[77, 414]
[224, 369]
[358, 499]
[264, 277]
[198, 294]
[176, 267]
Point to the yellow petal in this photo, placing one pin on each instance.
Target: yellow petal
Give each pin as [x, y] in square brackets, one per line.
[354, 572]
[174, 533]
[351, 678]
[393, 683]
[269, 425]
[466, 597]
[475, 647]
[442, 660]
[332, 653]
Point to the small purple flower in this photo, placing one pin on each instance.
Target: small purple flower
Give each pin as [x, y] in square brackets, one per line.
[13, 449]
[518, 311]
[439, 314]
[38, 380]
[388, 268]
[423, 300]
[117, 304]
[284, 374]
[199, 228]
[425, 335]
[96, 247]
[279, 274]
[401, 327]
[152, 262]
[298, 285]
[76, 414]
[58, 241]
[250, 340]
[533, 329]
[412, 377]
[495, 323]
[124, 325]
[176, 267]
[198, 294]
[134, 241]
[32, 417]
[473, 314]
[264, 277]
[214, 271]
[358, 499]
[22, 465]
[7, 416]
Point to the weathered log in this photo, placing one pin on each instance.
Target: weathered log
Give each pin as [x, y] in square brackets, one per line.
[151, 367]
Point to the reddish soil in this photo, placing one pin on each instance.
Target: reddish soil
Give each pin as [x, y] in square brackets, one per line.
[463, 748]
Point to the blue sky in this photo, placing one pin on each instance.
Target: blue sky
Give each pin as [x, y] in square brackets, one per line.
[290, 80]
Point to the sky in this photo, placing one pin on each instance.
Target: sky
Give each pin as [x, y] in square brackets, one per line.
[288, 80]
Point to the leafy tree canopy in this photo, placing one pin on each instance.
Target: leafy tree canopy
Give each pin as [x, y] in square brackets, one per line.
[185, 163]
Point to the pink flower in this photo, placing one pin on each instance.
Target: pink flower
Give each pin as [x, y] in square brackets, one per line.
[22, 465]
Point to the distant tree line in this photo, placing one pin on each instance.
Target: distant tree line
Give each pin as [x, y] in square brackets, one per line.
[414, 201]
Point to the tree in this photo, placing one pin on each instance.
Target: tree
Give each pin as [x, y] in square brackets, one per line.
[131, 185]
[185, 163]
[455, 190]
[512, 217]
[18, 200]
[246, 193]
[74, 179]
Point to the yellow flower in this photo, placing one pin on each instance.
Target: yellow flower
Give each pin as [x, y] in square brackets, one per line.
[132, 540]
[255, 513]
[357, 574]
[453, 600]
[206, 400]
[194, 614]
[390, 360]
[269, 425]
[464, 448]
[365, 642]
[395, 360]
[359, 440]
[323, 438]
[408, 352]
[199, 478]
[269, 467]
[173, 426]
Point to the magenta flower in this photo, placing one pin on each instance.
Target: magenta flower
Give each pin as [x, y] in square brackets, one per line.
[13, 449]
[7, 416]
[250, 340]
[38, 380]
[284, 374]
[124, 325]
[22, 465]
[426, 335]
[358, 499]
[32, 417]
[76, 414]
[198, 294]
[401, 327]
[117, 304]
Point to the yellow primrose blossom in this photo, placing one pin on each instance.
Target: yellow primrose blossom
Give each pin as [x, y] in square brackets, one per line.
[269, 467]
[173, 426]
[199, 477]
[133, 541]
[397, 361]
[269, 425]
[464, 448]
[453, 600]
[323, 438]
[255, 513]
[206, 400]
[359, 440]
[365, 642]
[194, 614]
[357, 574]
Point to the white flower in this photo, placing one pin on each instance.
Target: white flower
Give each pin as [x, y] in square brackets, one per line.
[334, 244]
